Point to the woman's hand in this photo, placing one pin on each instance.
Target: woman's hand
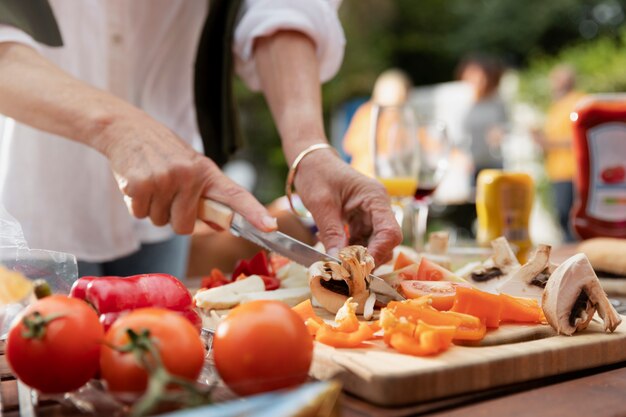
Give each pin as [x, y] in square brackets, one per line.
[337, 195]
[163, 178]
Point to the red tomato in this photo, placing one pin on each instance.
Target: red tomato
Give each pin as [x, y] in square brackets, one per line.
[430, 271]
[262, 346]
[65, 356]
[442, 292]
[176, 339]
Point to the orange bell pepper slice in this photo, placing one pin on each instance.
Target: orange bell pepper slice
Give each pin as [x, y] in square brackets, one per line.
[312, 321]
[487, 307]
[410, 346]
[312, 325]
[520, 310]
[374, 325]
[346, 317]
[427, 340]
[333, 337]
[444, 334]
[468, 327]
[305, 310]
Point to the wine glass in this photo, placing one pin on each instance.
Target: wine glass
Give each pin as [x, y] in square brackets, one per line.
[434, 157]
[396, 154]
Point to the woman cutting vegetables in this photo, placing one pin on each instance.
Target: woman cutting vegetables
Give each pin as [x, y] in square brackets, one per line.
[119, 81]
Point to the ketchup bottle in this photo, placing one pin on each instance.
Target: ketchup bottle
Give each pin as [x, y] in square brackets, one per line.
[599, 123]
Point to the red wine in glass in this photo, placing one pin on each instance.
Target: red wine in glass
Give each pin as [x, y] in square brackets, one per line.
[423, 192]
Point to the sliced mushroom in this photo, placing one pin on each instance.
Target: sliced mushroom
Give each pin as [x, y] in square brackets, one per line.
[572, 296]
[332, 283]
[498, 268]
[503, 255]
[529, 280]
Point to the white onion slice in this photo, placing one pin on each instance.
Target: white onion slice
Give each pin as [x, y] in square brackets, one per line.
[368, 307]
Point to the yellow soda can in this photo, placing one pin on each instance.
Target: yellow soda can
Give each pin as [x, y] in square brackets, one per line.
[504, 201]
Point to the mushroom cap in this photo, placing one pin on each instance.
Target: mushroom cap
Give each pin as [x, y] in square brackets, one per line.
[563, 289]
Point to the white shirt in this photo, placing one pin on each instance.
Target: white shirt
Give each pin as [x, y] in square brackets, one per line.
[62, 192]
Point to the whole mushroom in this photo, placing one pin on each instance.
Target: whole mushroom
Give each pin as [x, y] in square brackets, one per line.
[573, 294]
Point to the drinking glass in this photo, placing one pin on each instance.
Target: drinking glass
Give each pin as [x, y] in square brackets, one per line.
[396, 154]
[58, 269]
[434, 156]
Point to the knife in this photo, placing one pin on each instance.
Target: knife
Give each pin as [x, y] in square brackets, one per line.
[218, 214]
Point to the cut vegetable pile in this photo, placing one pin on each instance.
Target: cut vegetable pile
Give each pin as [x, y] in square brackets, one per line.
[415, 327]
[257, 278]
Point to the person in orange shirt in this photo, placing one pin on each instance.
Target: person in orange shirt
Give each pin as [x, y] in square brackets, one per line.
[392, 88]
[556, 141]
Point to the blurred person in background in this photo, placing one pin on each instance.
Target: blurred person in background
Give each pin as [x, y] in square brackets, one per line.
[486, 120]
[392, 88]
[104, 158]
[556, 141]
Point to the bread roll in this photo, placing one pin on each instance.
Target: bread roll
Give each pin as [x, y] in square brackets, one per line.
[606, 254]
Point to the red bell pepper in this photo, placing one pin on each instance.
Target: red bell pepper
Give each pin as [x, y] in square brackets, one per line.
[111, 296]
[257, 265]
[215, 279]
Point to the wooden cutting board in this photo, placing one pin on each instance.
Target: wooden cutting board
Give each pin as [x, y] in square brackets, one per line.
[513, 354]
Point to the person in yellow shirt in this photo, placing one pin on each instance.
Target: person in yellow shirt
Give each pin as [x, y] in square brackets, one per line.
[556, 141]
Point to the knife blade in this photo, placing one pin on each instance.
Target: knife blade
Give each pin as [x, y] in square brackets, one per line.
[299, 252]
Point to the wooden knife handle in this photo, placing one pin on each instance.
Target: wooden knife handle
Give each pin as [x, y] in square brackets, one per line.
[215, 214]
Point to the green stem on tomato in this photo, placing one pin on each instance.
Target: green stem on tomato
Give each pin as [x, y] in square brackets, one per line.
[159, 379]
[36, 324]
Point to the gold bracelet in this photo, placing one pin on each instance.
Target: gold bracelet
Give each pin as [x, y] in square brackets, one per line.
[289, 186]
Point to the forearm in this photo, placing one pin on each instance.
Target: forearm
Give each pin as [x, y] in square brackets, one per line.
[288, 69]
[36, 92]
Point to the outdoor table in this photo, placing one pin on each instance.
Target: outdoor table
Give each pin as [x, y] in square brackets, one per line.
[599, 392]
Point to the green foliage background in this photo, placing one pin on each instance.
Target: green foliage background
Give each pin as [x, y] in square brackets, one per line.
[427, 38]
[600, 66]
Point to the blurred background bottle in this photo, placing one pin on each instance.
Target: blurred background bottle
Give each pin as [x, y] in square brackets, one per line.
[600, 151]
[503, 204]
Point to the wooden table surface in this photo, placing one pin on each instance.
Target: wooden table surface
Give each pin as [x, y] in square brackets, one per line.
[597, 392]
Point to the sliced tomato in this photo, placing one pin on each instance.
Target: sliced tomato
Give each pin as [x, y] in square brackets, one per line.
[408, 272]
[430, 271]
[402, 261]
[441, 292]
